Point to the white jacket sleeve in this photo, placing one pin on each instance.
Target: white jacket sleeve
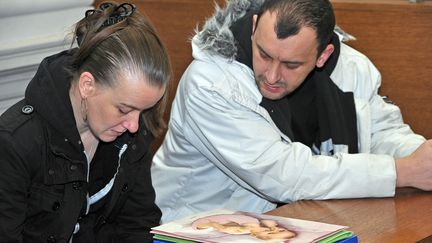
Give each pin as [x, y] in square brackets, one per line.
[390, 135]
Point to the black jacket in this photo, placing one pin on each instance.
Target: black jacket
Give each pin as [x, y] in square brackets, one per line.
[43, 172]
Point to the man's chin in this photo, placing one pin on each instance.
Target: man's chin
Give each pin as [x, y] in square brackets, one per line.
[272, 95]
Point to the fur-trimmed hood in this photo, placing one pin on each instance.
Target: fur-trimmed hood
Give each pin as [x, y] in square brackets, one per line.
[216, 35]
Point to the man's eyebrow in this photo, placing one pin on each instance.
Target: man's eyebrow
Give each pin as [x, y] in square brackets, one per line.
[263, 51]
[284, 62]
[292, 62]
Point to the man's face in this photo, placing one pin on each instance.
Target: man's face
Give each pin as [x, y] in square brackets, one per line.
[281, 65]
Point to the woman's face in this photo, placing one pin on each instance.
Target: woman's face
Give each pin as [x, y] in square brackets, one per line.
[111, 111]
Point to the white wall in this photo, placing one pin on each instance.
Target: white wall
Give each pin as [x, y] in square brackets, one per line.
[29, 31]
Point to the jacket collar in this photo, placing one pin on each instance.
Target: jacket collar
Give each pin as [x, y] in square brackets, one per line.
[48, 93]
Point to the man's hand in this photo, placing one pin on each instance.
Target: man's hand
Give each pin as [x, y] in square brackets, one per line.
[415, 170]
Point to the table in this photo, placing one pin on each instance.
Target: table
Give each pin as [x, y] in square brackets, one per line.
[405, 218]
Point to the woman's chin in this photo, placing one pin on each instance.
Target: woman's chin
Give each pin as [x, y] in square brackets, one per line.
[107, 138]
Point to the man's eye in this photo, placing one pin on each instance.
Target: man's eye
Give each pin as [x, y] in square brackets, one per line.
[264, 56]
[292, 66]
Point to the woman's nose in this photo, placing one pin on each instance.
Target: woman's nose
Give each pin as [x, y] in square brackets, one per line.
[131, 124]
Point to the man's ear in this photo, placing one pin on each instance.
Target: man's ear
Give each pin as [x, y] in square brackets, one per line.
[86, 84]
[322, 59]
[254, 21]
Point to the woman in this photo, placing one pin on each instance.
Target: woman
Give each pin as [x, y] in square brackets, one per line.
[74, 154]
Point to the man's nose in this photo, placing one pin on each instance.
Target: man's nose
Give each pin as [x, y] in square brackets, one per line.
[273, 73]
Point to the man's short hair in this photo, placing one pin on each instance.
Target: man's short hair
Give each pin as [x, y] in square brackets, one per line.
[292, 15]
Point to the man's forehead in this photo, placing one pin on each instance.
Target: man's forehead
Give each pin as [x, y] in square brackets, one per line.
[267, 20]
[297, 48]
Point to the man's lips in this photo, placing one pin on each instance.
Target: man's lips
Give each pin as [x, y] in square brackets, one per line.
[271, 88]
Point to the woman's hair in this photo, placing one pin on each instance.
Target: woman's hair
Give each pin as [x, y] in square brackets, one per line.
[116, 41]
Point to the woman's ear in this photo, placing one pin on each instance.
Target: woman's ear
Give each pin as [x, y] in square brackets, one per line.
[322, 59]
[86, 84]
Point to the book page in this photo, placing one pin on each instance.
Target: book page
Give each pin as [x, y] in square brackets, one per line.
[228, 226]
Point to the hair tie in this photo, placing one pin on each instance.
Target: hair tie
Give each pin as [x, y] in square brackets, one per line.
[120, 13]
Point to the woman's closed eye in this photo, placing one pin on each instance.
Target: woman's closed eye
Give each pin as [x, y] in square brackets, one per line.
[124, 110]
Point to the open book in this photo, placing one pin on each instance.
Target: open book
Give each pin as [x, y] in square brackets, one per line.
[229, 226]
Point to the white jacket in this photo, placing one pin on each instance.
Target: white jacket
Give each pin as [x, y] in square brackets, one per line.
[222, 150]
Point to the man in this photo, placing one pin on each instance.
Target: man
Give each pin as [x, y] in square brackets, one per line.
[274, 109]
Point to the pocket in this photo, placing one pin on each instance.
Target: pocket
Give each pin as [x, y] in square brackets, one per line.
[44, 204]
